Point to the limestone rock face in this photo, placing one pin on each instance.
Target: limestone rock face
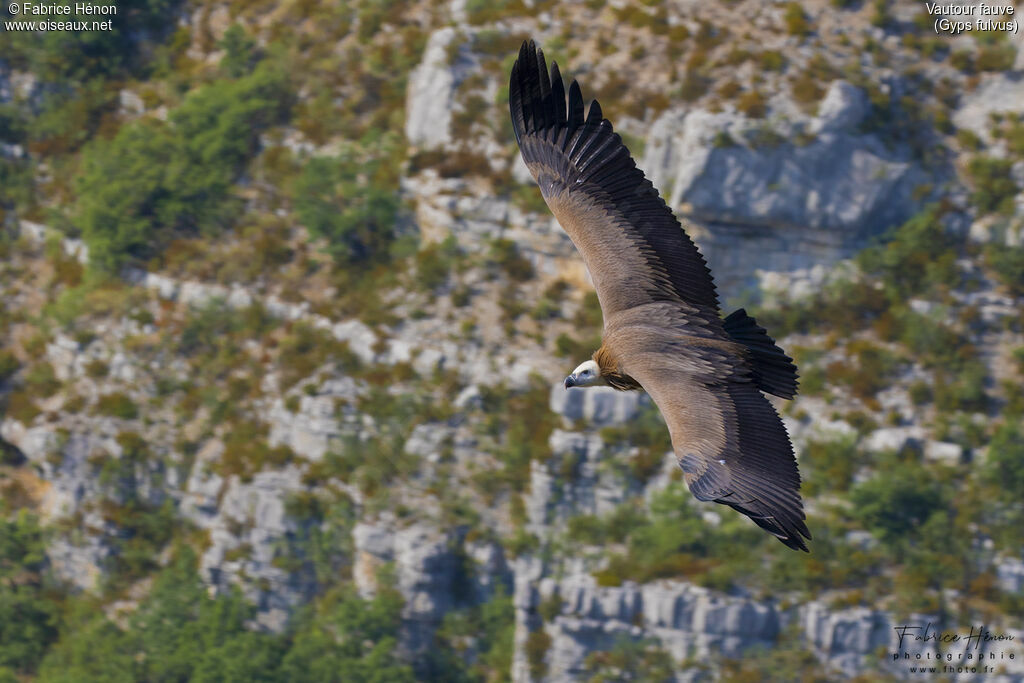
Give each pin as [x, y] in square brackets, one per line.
[431, 90]
[998, 94]
[843, 109]
[316, 427]
[1011, 575]
[597, 406]
[248, 532]
[82, 468]
[762, 202]
[845, 637]
[688, 621]
[436, 571]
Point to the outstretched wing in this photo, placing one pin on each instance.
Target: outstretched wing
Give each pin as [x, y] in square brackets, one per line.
[635, 249]
[729, 441]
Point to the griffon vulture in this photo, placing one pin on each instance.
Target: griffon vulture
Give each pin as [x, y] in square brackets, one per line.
[662, 328]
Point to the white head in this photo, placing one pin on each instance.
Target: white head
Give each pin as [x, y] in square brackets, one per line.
[586, 374]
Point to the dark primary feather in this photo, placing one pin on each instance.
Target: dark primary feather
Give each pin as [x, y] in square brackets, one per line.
[585, 157]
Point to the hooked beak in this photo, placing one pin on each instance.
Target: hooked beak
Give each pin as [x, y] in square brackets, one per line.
[570, 381]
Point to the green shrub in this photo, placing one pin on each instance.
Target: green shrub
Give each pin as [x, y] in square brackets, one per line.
[645, 660]
[569, 347]
[179, 632]
[796, 20]
[913, 256]
[246, 451]
[894, 503]
[8, 365]
[537, 645]
[350, 639]
[521, 424]
[872, 371]
[812, 381]
[142, 532]
[831, 464]
[352, 203]
[962, 60]
[117, 404]
[693, 86]
[80, 56]
[920, 393]
[1015, 137]
[614, 527]
[961, 387]
[1008, 264]
[880, 16]
[996, 57]
[435, 262]
[728, 90]
[97, 368]
[752, 104]
[505, 254]
[20, 405]
[806, 90]
[771, 60]
[994, 189]
[789, 659]
[589, 314]
[529, 199]
[550, 304]
[722, 140]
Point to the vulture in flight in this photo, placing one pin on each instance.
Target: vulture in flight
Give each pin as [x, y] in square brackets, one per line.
[662, 329]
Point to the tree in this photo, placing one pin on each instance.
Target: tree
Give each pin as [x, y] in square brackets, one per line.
[28, 616]
[895, 503]
[239, 51]
[352, 203]
[179, 633]
[154, 181]
[1004, 467]
[350, 640]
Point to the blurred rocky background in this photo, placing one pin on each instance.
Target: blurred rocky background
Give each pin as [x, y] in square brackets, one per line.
[283, 322]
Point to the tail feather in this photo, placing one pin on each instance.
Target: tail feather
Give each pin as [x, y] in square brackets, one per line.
[774, 371]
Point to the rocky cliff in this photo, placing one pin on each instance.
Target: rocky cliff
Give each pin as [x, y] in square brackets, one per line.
[336, 369]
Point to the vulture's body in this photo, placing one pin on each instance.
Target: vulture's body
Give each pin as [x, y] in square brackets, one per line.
[662, 328]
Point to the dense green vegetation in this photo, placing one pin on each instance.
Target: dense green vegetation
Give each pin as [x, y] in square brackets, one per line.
[29, 610]
[179, 632]
[352, 202]
[155, 181]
